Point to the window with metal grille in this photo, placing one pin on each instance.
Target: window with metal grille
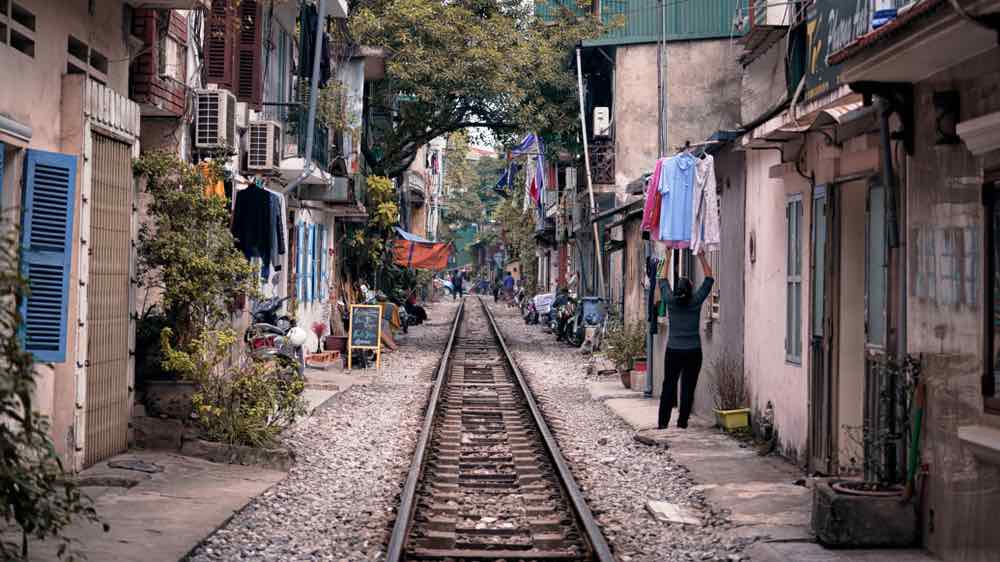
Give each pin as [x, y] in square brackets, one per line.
[793, 279]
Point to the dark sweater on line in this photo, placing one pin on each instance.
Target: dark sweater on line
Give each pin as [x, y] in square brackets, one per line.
[684, 318]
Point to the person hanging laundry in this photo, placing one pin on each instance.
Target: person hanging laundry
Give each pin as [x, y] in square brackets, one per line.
[705, 231]
[252, 224]
[676, 186]
[682, 361]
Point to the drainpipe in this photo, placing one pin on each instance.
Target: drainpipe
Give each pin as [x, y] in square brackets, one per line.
[892, 218]
[313, 94]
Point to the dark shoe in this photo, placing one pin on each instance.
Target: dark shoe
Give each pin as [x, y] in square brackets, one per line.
[682, 425]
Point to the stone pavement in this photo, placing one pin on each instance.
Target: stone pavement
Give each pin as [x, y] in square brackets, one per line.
[767, 497]
[163, 515]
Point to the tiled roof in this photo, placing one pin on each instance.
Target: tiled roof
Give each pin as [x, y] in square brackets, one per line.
[902, 23]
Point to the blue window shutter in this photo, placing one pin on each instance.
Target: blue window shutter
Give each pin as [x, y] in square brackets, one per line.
[300, 271]
[310, 260]
[322, 262]
[46, 250]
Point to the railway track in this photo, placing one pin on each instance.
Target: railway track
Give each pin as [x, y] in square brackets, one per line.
[487, 480]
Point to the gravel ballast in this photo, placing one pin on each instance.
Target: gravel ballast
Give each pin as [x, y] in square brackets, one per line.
[339, 499]
[618, 475]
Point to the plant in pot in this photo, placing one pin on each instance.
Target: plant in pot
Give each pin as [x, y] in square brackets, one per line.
[624, 344]
[877, 510]
[731, 394]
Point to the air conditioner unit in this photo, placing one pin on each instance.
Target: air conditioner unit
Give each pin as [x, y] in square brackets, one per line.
[264, 145]
[242, 115]
[215, 119]
[602, 122]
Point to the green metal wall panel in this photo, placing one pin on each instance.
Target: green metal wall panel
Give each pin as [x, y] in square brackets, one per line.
[685, 19]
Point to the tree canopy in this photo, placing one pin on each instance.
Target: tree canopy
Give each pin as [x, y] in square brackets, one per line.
[466, 63]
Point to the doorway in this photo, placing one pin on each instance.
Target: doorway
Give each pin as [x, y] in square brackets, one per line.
[821, 430]
[108, 403]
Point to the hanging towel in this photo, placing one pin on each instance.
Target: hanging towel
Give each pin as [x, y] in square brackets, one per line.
[651, 210]
[677, 189]
[705, 221]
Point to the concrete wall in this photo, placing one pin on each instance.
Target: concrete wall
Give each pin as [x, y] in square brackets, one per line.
[57, 125]
[772, 378]
[764, 83]
[723, 337]
[945, 324]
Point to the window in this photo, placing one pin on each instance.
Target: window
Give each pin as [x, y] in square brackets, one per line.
[793, 279]
[991, 372]
[81, 59]
[17, 27]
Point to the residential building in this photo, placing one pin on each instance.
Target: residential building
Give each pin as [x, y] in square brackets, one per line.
[933, 73]
[68, 134]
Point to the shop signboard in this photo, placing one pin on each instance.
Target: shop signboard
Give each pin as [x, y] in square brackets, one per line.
[365, 331]
[831, 25]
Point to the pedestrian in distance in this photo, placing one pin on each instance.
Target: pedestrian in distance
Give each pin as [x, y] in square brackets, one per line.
[508, 287]
[683, 357]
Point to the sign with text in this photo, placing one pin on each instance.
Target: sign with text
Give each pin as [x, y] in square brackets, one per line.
[831, 25]
[365, 331]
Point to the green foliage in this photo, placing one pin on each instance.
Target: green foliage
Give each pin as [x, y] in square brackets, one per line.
[469, 63]
[249, 404]
[367, 249]
[518, 232]
[36, 499]
[625, 343]
[186, 249]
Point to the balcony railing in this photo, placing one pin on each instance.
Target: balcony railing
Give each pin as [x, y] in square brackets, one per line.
[602, 163]
[294, 119]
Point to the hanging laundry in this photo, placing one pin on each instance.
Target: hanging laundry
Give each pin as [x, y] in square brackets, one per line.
[277, 231]
[677, 189]
[252, 224]
[651, 210]
[307, 41]
[214, 185]
[705, 220]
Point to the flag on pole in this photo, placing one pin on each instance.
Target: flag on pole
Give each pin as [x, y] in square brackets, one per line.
[532, 147]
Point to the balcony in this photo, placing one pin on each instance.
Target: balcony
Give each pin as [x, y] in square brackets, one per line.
[602, 163]
[294, 120]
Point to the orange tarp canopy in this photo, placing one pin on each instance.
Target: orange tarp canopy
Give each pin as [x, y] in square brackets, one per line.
[421, 255]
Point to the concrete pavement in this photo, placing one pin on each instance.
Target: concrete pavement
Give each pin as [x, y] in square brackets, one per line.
[158, 516]
[767, 497]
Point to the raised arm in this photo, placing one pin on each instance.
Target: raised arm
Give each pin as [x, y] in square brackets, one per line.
[706, 268]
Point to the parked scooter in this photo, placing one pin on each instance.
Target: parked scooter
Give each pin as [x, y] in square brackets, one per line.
[564, 317]
[542, 307]
[273, 336]
[589, 315]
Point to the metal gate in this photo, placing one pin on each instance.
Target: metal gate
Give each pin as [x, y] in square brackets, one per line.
[108, 393]
[821, 432]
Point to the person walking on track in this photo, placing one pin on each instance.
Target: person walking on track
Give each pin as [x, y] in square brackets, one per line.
[683, 357]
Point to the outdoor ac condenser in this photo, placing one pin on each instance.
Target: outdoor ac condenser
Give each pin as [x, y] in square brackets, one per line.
[602, 122]
[215, 119]
[264, 145]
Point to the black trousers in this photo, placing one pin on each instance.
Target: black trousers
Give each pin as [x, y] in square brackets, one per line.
[683, 365]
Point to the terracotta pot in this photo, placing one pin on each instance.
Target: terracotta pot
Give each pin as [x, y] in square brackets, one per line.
[335, 343]
[626, 377]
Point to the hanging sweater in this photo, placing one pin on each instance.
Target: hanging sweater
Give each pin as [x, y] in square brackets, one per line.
[651, 209]
[705, 219]
[252, 224]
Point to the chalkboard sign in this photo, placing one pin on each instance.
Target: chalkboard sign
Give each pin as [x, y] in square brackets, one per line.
[365, 330]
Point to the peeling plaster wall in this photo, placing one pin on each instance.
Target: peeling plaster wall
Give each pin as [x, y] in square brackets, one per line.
[946, 316]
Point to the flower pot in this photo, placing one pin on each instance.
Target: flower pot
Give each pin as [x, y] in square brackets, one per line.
[733, 419]
[844, 519]
[335, 343]
[626, 377]
[638, 379]
[639, 366]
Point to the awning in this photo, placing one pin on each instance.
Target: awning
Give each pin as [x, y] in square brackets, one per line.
[292, 168]
[782, 128]
[411, 236]
[421, 255]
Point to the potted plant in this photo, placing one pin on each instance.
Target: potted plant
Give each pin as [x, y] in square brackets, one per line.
[731, 393]
[624, 345]
[877, 510]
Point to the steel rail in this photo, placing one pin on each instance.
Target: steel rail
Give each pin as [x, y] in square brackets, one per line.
[407, 500]
[598, 543]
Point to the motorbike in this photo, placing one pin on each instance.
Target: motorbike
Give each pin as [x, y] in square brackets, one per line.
[564, 316]
[275, 337]
[589, 316]
[540, 307]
